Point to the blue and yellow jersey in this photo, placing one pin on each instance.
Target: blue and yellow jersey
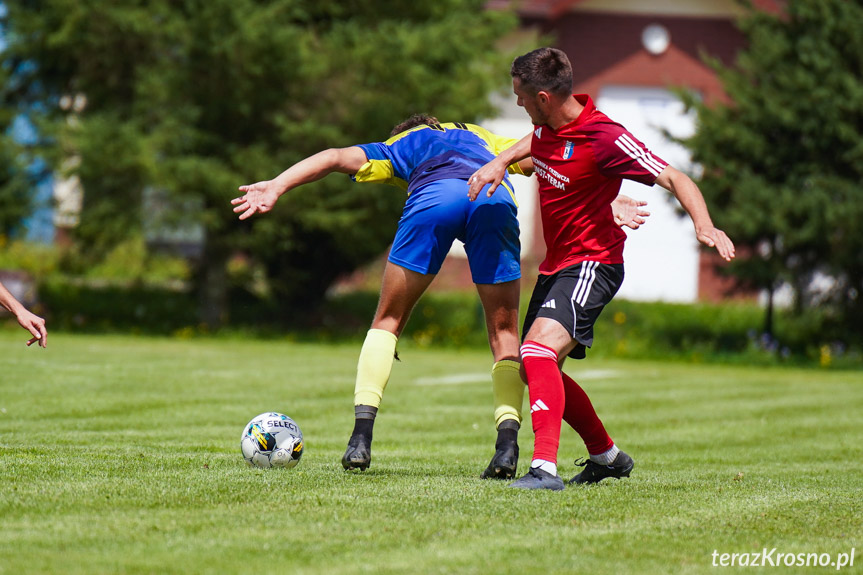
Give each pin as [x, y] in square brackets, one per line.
[433, 152]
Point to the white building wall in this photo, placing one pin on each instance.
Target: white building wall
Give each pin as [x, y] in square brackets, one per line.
[662, 259]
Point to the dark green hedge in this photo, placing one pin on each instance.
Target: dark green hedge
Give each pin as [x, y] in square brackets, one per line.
[694, 332]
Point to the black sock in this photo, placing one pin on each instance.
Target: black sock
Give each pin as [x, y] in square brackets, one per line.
[507, 432]
[365, 420]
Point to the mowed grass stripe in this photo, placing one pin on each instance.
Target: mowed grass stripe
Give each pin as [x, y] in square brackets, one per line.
[121, 455]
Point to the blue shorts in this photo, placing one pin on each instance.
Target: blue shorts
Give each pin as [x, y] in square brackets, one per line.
[441, 212]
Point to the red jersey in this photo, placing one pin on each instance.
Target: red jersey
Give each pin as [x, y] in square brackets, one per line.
[580, 168]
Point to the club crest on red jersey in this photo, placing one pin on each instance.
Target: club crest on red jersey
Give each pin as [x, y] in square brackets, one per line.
[567, 151]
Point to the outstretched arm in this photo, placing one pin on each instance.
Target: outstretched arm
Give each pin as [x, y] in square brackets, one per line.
[262, 196]
[494, 171]
[28, 320]
[627, 212]
[689, 196]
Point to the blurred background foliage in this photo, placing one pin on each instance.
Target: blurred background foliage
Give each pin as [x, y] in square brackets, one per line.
[187, 100]
[783, 161]
[160, 109]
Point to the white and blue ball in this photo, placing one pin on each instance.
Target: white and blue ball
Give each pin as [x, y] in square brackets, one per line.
[272, 440]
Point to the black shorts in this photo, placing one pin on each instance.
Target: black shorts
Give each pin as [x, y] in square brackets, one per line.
[574, 297]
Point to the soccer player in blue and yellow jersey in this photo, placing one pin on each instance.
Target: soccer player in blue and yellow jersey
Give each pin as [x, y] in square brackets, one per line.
[432, 162]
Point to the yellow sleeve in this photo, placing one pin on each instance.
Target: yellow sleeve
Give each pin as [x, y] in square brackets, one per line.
[515, 169]
[497, 144]
[379, 171]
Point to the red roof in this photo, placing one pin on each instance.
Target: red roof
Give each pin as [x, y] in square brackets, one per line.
[536, 8]
[555, 8]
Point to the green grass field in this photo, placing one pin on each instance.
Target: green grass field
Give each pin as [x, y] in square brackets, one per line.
[121, 455]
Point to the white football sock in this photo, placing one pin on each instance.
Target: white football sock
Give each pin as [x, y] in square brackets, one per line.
[606, 458]
[546, 466]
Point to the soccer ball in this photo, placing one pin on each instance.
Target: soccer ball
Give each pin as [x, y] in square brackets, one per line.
[272, 440]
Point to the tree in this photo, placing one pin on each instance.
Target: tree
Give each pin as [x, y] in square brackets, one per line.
[14, 181]
[783, 159]
[196, 97]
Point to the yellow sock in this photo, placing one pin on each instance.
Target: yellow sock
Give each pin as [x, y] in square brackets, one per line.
[508, 391]
[374, 367]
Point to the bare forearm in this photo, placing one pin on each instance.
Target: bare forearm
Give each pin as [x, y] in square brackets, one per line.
[262, 196]
[689, 196]
[308, 170]
[8, 301]
[517, 152]
[692, 201]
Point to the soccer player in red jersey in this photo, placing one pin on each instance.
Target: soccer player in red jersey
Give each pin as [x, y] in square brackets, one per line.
[580, 158]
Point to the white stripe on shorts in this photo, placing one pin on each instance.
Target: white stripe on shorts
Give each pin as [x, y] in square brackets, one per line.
[582, 290]
[585, 282]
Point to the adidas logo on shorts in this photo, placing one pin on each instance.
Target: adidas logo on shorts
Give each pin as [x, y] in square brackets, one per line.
[549, 304]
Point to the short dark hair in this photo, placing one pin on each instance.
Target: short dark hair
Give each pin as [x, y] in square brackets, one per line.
[544, 70]
[413, 122]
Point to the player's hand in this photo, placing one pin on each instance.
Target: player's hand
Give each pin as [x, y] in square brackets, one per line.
[36, 326]
[716, 238]
[258, 198]
[627, 211]
[491, 173]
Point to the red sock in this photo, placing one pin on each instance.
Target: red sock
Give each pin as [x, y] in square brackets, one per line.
[545, 389]
[580, 415]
